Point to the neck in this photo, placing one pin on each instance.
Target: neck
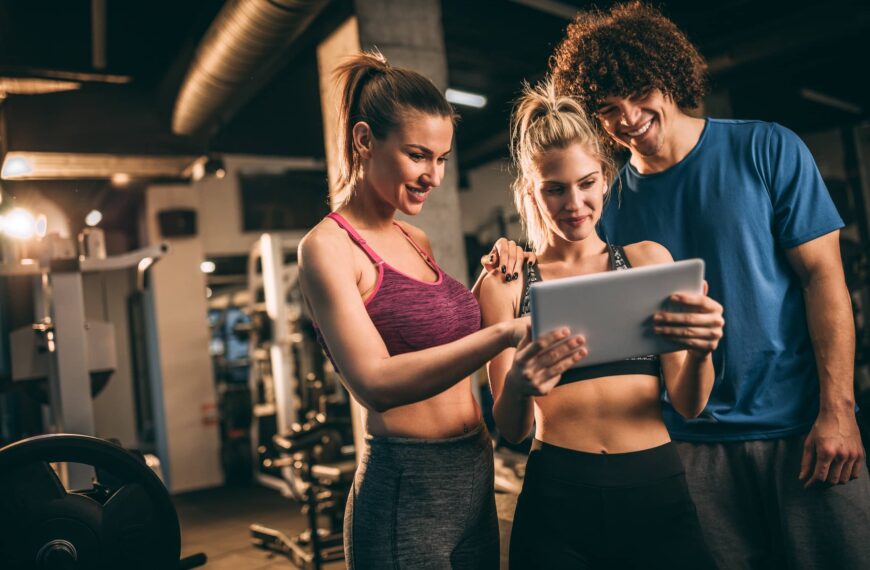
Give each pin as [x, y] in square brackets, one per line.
[558, 249]
[684, 132]
[367, 210]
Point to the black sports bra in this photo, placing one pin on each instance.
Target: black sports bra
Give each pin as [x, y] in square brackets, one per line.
[648, 364]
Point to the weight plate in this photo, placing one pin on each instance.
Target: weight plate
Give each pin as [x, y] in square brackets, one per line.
[126, 520]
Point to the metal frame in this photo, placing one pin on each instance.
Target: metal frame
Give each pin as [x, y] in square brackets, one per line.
[60, 315]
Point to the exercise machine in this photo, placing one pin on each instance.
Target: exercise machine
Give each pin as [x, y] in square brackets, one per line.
[302, 425]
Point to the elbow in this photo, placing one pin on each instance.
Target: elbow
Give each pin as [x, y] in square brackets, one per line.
[691, 411]
[513, 437]
[512, 431]
[373, 398]
[373, 401]
[379, 404]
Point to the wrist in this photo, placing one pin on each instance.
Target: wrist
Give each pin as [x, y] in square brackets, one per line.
[505, 332]
[837, 405]
[698, 357]
[512, 391]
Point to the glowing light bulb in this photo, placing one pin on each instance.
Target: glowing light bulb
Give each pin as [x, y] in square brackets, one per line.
[93, 218]
[19, 224]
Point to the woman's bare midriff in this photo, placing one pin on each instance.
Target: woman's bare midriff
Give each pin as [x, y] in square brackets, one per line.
[451, 413]
[618, 414]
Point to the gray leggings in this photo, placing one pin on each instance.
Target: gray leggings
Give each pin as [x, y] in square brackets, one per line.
[423, 503]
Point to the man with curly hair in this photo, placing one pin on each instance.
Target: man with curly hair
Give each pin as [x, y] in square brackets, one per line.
[774, 462]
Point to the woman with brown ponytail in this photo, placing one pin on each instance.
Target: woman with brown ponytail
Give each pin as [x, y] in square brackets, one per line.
[405, 336]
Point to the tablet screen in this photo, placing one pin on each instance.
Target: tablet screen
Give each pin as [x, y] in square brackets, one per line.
[614, 309]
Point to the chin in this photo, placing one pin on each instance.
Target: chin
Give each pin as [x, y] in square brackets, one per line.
[411, 209]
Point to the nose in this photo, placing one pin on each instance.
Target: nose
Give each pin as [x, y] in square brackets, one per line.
[574, 199]
[433, 174]
[630, 114]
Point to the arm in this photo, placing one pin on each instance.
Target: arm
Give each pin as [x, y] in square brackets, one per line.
[380, 381]
[688, 374]
[834, 440]
[532, 369]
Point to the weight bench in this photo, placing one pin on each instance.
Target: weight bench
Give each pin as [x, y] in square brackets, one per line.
[328, 483]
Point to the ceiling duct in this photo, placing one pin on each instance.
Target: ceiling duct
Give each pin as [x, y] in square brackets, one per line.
[243, 43]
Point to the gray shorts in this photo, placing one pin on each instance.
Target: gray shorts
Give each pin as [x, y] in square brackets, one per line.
[425, 504]
[755, 512]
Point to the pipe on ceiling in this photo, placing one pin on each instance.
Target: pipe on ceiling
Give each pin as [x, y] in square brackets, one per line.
[245, 37]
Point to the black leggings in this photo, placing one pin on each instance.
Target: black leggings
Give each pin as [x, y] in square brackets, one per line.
[608, 511]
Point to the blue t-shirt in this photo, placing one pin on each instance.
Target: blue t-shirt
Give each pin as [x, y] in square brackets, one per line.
[746, 193]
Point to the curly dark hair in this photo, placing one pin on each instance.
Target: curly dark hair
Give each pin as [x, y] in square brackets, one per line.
[627, 51]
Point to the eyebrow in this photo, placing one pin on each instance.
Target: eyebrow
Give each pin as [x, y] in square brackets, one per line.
[581, 179]
[425, 150]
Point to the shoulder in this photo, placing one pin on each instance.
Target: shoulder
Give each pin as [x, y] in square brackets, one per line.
[647, 253]
[417, 235]
[326, 240]
[761, 133]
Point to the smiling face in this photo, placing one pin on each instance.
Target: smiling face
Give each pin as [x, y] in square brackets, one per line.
[403, 167]
[569, 188]
[640, 123]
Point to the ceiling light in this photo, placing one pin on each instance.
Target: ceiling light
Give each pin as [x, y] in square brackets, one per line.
[830, 101]
[16, 166]
[465, 98]
[207, 266]
[559, 9]
[120, 179]
[93, 218]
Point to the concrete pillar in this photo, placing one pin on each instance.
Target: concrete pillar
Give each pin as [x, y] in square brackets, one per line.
[188, 439]
[410, 34]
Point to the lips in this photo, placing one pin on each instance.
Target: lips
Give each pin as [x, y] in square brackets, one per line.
[575, 222]
[417, 195]
[640, 131]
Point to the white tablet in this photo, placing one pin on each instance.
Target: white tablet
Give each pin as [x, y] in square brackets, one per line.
[614, 309]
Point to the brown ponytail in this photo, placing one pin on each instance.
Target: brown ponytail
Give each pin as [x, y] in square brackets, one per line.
[376, 93]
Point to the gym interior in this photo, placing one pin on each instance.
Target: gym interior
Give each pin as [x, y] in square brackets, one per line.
[161, 162]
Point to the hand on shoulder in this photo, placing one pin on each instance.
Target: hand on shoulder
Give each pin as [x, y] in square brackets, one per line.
[493, 286]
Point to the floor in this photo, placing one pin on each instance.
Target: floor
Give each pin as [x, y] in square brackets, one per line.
[216, 522]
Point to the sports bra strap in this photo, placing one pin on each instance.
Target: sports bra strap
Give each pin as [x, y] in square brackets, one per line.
[413, 243]
[618, 259]
[358, 239]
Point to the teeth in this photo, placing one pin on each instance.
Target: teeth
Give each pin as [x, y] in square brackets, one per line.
[417, 192]
[641, 130]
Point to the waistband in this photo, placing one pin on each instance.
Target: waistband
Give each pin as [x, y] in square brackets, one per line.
[604, 469]
[452, 452]
[475, 432]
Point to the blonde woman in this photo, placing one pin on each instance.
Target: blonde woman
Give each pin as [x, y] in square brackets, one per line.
[604, 486]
